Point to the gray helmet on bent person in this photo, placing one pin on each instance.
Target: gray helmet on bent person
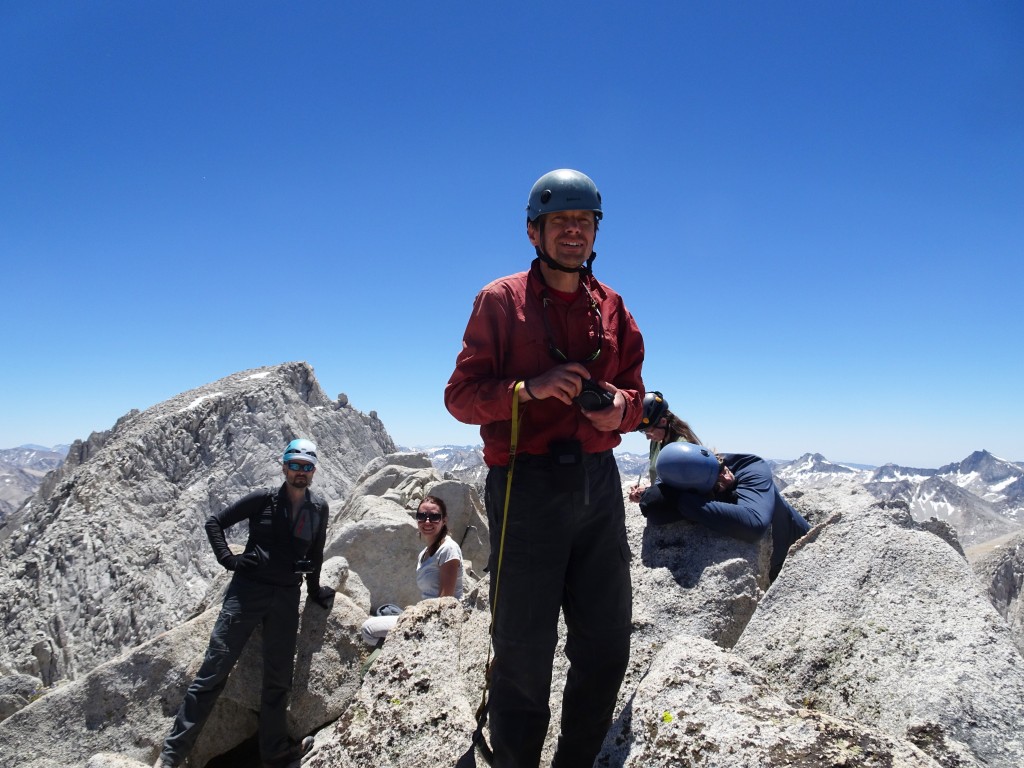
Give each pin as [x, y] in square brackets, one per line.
[655, 407]
[688, 467]
[563, 190]
[300, 450]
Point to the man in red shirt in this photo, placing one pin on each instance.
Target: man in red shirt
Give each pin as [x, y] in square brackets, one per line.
[565, 345]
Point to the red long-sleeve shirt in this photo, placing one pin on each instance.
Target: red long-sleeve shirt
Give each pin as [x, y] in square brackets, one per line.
[506, 341]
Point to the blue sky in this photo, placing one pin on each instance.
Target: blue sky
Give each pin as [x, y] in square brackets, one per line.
[814, 210]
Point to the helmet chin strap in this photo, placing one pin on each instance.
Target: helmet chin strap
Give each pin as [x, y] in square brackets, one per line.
[585, 269]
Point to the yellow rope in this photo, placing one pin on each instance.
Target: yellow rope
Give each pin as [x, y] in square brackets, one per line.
[508, 494]
[482, 709]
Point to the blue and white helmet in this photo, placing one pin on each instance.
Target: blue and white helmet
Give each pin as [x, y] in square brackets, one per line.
[688, 467]
[300, 450]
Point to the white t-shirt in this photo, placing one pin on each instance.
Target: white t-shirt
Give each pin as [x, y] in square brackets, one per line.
[428, 571]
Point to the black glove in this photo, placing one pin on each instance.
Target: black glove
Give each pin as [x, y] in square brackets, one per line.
[243, 562]
[322, 596]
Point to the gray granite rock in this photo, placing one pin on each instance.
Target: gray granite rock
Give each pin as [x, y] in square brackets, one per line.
[701, 706]
[376, 532]
[1000, 571]
[878, 620]
[111, 550]
[126, 705]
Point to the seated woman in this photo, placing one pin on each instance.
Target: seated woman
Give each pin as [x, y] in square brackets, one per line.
[438, 567]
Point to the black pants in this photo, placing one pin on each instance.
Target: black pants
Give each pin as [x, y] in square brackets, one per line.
[246, 604]
[563, 549]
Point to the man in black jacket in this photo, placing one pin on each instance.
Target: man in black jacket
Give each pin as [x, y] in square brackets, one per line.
[287, 532]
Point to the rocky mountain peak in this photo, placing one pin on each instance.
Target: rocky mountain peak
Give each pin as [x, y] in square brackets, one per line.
[811, 465]
[120, 524]
[988, 467]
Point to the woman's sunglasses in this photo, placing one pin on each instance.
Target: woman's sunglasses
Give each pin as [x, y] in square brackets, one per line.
[428, 517]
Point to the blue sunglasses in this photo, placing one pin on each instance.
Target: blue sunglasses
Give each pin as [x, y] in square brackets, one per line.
[296, 466]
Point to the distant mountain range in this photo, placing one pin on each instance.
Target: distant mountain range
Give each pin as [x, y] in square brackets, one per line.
[466, 462]
[982, 497]
[21, 471]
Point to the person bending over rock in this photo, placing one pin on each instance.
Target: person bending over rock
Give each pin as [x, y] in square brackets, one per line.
[732, 493]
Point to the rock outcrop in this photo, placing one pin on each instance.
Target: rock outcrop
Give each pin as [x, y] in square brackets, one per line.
[1001, 574]
[111, 550]
[376, 531]
[126, 705]
[701, 706]
[878, 620]
[874, 648]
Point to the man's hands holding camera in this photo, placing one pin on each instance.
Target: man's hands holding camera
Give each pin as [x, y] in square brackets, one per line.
[570, 383]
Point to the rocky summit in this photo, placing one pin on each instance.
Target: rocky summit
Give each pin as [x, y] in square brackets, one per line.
[878, 646]
[111, 550]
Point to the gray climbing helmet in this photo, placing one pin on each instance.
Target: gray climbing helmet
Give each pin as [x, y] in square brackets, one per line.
[688, 467]
[563, 190]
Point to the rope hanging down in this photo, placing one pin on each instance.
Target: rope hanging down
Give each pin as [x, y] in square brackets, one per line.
[468, 760]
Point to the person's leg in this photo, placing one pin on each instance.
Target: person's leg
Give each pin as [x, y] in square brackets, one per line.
[238, 617]
[598, 604]
[526, 590]
[788, 526]
[280, 634]
[376, 628]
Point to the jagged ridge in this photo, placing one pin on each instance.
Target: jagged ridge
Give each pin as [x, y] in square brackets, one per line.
[111, 549]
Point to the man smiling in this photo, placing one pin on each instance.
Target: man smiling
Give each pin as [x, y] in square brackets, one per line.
[567, 349]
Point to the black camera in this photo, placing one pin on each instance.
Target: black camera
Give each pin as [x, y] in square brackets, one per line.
[594, 398]
[303, 566]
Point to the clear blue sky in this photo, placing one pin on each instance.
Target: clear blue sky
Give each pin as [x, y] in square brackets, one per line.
[815, 210]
